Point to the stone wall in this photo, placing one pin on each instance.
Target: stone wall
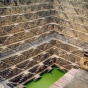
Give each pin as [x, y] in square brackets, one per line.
[47, 31]
[22, 21]
[72, 17]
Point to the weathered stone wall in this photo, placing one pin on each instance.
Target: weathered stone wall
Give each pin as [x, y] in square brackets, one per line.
[72, 18]
[22, 21]
[47, 31]
[25, 33]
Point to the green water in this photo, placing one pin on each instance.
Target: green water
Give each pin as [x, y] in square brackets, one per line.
[46, 80]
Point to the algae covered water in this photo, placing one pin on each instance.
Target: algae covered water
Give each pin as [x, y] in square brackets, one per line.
[47, 79]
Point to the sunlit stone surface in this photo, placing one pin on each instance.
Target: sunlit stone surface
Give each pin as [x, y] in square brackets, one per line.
[79, 80]
[40, 31]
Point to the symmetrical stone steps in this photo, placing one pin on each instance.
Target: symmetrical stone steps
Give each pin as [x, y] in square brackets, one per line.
[19, 17]
[22, 9]
[66, 33]
[8, 20]
[74, 11]
[47, 31]
[9, 39]
[76, 4]
[31, 42]
[74, 41]
[21, 2]
[73, 19]
[27, 54]
[14, 24]
[69, 52]
[20, 27]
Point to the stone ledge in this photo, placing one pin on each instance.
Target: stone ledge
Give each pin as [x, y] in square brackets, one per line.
[65, 79]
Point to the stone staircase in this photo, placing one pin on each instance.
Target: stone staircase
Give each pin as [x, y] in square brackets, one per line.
[38, 29]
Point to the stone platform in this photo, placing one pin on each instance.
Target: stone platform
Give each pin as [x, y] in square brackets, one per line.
[80, 80]
[73, 79]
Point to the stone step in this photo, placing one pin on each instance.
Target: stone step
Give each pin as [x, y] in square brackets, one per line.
[8, 20]
[4, 3]
[21, 9]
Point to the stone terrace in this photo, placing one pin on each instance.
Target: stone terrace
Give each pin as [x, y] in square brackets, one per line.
[40, 31]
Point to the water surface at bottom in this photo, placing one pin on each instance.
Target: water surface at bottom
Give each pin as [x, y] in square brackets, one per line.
[47, 79]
